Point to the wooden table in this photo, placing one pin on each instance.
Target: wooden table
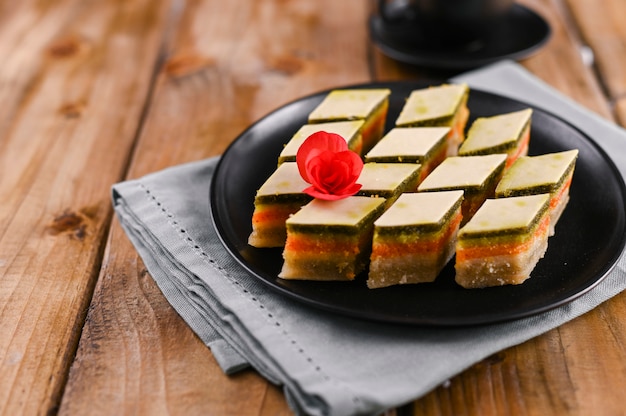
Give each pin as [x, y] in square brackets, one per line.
[94, 92]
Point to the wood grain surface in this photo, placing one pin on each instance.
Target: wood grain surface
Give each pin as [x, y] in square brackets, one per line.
[69, 118]
[108, 90]
[220, 88]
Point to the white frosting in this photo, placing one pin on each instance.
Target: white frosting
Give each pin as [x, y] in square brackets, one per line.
[408, 141]
[505, 213]
[348, 211]
[529, 171]
[349, 130]
[286, 179]
[487, 132]
[385, 176]
[419, 209]
[433, 102]
[462, 172]
[349, 104]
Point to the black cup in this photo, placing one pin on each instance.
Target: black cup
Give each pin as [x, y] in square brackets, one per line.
[443, 23]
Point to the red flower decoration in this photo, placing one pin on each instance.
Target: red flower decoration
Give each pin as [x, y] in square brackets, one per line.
[325, 162]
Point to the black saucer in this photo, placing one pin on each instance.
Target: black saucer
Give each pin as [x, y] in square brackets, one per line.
[522, 34]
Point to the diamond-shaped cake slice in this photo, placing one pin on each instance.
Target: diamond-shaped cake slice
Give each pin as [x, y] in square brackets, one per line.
[330, 240]
[424, 145]
[280, 196]
[503, 242]
[443, 105]
[388, 180]
[370, 105]
[477, 176]
[349, 130]
[549, 173]
[504, 133]
[415, 238]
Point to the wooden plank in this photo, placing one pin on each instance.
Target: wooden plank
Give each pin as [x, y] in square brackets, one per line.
[229, 64]
[602, 27]
[21, 48]
[560, 63]
[66, 139]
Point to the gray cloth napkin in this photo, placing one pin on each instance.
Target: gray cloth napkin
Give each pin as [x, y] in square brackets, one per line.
[328, 364]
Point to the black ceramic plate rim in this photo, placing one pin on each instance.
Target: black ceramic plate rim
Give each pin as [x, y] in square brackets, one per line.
[458, 60]
[364, 313]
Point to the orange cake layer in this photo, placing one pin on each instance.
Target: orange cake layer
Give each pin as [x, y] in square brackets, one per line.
[520, 150]
[457, 135]
[374, 127]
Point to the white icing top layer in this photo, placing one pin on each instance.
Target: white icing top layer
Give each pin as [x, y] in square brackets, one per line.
[505, 214]
[419, 209]
[487, 132]
[433, 102]
[349, 104]
[530, 171]
[385, 176]
[286, 179]
[461, 172]
[349, 130]
[408, 141]
[348, 211]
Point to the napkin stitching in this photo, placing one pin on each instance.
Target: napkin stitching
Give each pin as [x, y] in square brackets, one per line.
[242, 291]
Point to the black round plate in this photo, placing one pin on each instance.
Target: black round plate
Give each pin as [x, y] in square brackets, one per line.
[522, 34]
[588, 241]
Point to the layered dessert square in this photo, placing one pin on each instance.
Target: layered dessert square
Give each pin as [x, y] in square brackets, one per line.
[415, 238]
[438, 106]
[503, 242]
[349, 130]
[370, 105]
[388, 180]
[549, 173]
[280, 196]
[504, 133]
[424, 145]
[330, 240]
[477, 176]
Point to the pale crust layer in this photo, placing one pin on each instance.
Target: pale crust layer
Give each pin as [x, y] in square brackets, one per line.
[409, 268]
[324, 266]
